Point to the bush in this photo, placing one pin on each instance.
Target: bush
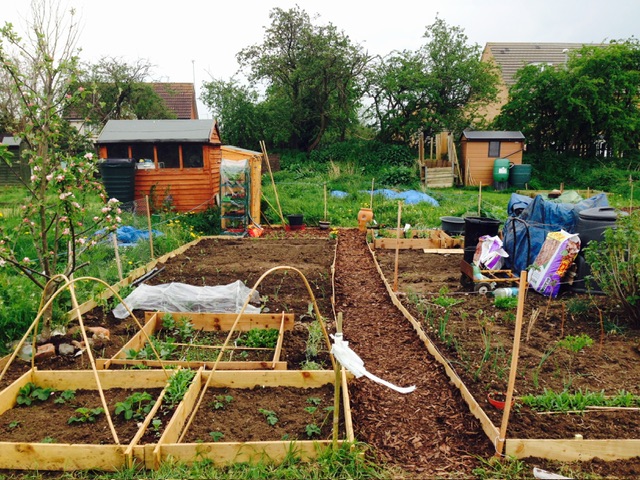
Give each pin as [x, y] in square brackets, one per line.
[615, 264]
[394, 176]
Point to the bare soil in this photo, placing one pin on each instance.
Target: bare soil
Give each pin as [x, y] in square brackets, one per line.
[430, 432]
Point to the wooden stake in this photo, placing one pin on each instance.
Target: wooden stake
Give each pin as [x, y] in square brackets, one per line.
[371, 203]
[117, 254]
[325, 201]
[480, 199]
[273, 183]
[336, 390]
[395, 269]
[514, 362]
[146, 199]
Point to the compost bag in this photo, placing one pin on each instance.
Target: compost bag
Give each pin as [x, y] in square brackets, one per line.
[528, 224]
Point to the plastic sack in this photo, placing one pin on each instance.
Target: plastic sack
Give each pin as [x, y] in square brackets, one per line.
[556, 256]
[489, 253]
[180, 297]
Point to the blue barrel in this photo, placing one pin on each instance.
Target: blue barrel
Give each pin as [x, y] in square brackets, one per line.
[519, 175]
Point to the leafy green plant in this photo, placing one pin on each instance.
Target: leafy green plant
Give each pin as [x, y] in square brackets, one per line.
[506, 303]
[260, 338]
[65, 396]
[216, 436]
[136, 406]
[444, 300]
[32, 393]
[14, 424]
[269, 415]
[312, 430]
[615, 263]
[48, 440]
[178, 385]
[576, 343]
[220, 402]
[86, 415]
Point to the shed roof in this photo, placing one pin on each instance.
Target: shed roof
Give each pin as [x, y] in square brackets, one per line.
[119, 131]
[10, 140]
[483, 136]
[511, 57]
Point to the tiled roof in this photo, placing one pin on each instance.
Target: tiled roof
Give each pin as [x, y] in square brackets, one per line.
[511, 57]
[179, 98]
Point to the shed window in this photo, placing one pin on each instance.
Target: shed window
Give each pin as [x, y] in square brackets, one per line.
[142, 151]
[117, 150]
[494, 148]
[168, 155]
[192, 155]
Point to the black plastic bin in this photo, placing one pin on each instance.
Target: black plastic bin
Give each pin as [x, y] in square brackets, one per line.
[118, 178]
[474, 228]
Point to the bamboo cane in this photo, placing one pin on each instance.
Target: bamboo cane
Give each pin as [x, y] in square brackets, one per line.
[514, 362]
[395, 269]
[336, 390]
[273, 182]
[146, 199]
[117, 254]
[480, 199]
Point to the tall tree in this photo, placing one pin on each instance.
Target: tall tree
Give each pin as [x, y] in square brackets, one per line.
[42, 71]
[316, 70]
[588, 107]
[118, 90]
[438, 87]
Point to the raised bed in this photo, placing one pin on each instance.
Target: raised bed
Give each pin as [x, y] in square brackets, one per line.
[572, 448]
[111, 455]
[434, 239]
[171, 446]
[209, 334]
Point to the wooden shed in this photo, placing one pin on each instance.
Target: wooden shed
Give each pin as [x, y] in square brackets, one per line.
[18, 171]
[480, 149]
[177, 161]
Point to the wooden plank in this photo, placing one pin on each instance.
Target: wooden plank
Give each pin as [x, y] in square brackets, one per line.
[445, 251]
[223, 365]
[569, 450]
[51, 456]
[268, 378]
[406, 243]
[84, 379]
[224, 321]
[8, 395]
[346, 406]
[223, 453]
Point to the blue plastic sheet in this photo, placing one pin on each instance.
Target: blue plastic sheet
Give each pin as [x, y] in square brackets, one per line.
[525, 231]
[128, 235]
[410, 197]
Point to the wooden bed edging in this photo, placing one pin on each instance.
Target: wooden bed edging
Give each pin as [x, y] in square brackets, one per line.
[568, 450]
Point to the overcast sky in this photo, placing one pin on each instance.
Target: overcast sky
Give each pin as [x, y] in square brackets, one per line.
[196, 40]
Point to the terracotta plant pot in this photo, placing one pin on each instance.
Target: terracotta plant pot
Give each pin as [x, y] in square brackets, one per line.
[498, 400]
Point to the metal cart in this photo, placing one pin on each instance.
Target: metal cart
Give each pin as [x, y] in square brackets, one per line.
[487, 281]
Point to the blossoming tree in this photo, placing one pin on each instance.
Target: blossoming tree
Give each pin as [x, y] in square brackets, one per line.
[57, 224]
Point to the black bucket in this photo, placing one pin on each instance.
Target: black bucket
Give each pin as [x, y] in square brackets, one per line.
[452, 225]
[476, 227]
[296, 221]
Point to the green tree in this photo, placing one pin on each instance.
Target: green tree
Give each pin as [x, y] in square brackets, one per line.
[56, 225]
[237, 110]
[118, 90]
[440, 86]
[313, 77]
[588, 107]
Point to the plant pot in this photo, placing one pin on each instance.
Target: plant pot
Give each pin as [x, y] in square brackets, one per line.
[296, 222]
[452, 225]
[324, 224]
[498, 400]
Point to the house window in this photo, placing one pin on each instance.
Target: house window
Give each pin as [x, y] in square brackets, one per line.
[168, 155]
[494, 149]
[192, 155]
[142, 151]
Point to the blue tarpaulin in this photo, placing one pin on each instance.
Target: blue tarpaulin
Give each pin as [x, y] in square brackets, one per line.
[530, 220]
[410, 197]
[128, 235]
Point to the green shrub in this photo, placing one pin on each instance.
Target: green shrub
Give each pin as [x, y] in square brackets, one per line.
[615, 264]
[395, 176]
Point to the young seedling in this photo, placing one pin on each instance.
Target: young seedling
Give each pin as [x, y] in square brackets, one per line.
[269, 415]
[312, 430]
[14, 424]
[220, 402]
[178, 386]
[65, 396]
[86, 415]
[216, 436]
[136, 406]
[31, 393]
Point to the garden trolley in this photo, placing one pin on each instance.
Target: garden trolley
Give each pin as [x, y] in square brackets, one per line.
[485, 281]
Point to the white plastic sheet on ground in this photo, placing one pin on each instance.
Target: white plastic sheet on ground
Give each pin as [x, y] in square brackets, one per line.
[181, 297]
[352, 362]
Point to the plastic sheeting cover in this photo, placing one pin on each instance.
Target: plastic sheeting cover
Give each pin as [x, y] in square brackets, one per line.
[525, 233]
[181, 297]
[410, 197]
